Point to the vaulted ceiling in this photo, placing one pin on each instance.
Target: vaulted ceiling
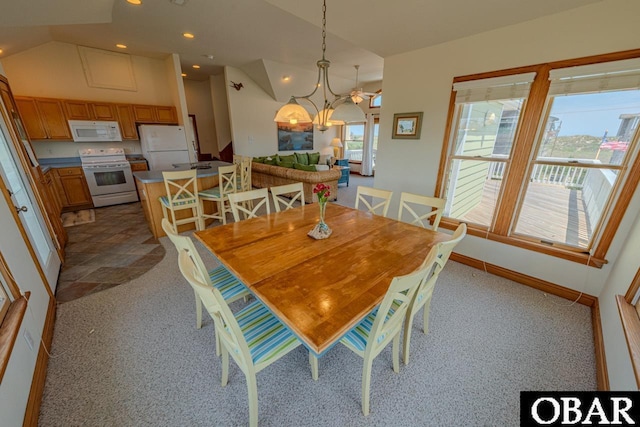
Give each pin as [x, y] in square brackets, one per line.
[239, 32]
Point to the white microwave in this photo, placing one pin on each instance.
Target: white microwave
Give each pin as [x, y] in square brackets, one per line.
[89, 131]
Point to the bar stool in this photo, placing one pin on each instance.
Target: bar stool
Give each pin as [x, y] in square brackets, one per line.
[182, 195]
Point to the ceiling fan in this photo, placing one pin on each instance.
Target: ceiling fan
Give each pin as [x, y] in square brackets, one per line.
[357, 94]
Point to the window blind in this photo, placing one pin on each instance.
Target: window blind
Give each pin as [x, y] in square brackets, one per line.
[507, 87]
[606, 76]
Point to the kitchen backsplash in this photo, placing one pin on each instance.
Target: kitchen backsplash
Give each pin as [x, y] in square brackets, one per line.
[52, 149]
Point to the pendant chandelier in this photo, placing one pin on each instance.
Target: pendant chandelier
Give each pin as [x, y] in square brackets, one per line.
[336, 111]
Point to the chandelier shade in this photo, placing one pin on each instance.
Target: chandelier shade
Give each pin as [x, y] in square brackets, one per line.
[326, 115]
[345, 112]
[348, 112]
[292, 113]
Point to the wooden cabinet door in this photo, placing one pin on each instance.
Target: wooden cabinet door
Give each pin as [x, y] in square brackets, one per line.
[166, 115]
[138, 167]
[144, 113]
[74, 187]
[103, 111]
[77, 110]
[54, 119]
[127, 122]
[31, 118]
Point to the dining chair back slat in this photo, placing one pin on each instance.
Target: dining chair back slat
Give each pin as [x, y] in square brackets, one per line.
[421, 209]
[375, 200]
[286, 196]
[248, 203]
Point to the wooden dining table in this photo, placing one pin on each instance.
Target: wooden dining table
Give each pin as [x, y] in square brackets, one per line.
[320, 289]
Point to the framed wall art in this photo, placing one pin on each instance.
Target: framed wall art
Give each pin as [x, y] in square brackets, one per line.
[295, 137]
[407, 125]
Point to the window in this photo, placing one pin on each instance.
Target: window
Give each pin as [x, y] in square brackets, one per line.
[376, 101]
[353, 141]
[544, 159]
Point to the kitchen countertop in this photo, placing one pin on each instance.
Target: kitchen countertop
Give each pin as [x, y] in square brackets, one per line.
[156, 176]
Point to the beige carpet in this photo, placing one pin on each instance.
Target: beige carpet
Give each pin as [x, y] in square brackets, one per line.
[69, 219]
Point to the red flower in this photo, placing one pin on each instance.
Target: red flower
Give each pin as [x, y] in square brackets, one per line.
[323, 191]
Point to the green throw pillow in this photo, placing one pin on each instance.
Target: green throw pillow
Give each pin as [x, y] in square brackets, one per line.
[291, 158]
[286, 164]
[308, 168]
[258, 159]
[302, 158]
[314, 158]
[270, 161]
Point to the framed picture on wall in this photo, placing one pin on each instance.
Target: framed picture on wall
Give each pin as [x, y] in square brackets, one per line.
[295, 137]
[407, 125]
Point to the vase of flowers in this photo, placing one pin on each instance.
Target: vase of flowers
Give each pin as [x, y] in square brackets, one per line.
[322, 230]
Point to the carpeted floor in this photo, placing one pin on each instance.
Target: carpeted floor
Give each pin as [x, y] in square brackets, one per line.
[131, 356]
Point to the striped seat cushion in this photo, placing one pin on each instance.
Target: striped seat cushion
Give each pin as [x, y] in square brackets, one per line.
[190, 200]
[211, 193]
[266, 336]
[226, 283]
[359, 336]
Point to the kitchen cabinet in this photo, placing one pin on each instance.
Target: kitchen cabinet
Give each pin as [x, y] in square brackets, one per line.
[138, 166]
[85, 110]
[103, 111]
[155, 114]
[127, 121]
[43, 118]
[77, 110]
[72, 188]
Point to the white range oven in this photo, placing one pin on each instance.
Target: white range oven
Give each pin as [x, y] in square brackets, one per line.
[109, 176]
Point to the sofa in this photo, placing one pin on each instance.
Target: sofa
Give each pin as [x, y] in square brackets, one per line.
[265, 175]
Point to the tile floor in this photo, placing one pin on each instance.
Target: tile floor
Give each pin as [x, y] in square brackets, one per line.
[113, 250]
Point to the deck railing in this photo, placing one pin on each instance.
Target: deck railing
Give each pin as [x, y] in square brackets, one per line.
[568, 176]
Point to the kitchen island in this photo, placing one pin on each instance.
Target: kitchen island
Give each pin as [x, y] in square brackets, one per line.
[150, 185]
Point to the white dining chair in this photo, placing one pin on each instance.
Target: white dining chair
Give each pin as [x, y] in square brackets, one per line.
[243, 167]
[423, 296]
[421, 210]
[253, 336]
[286, 196]
[219, 277]
[181, 195]
[384, 325]
[374, 200]
[248, 203]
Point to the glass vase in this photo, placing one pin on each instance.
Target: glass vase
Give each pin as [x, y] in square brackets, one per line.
[323, 209]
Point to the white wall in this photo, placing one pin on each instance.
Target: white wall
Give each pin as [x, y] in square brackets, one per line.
[199, 102]
[251, 113]
[421, 81]
[220, 110]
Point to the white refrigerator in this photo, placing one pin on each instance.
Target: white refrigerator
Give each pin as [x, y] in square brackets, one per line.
[164, 146]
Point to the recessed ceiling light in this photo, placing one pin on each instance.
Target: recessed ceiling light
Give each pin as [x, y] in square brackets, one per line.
[121, 46]
[196, 66]
[286, 78]
[135, 1]
[188, 35]
[184, 74]
[1, 50]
